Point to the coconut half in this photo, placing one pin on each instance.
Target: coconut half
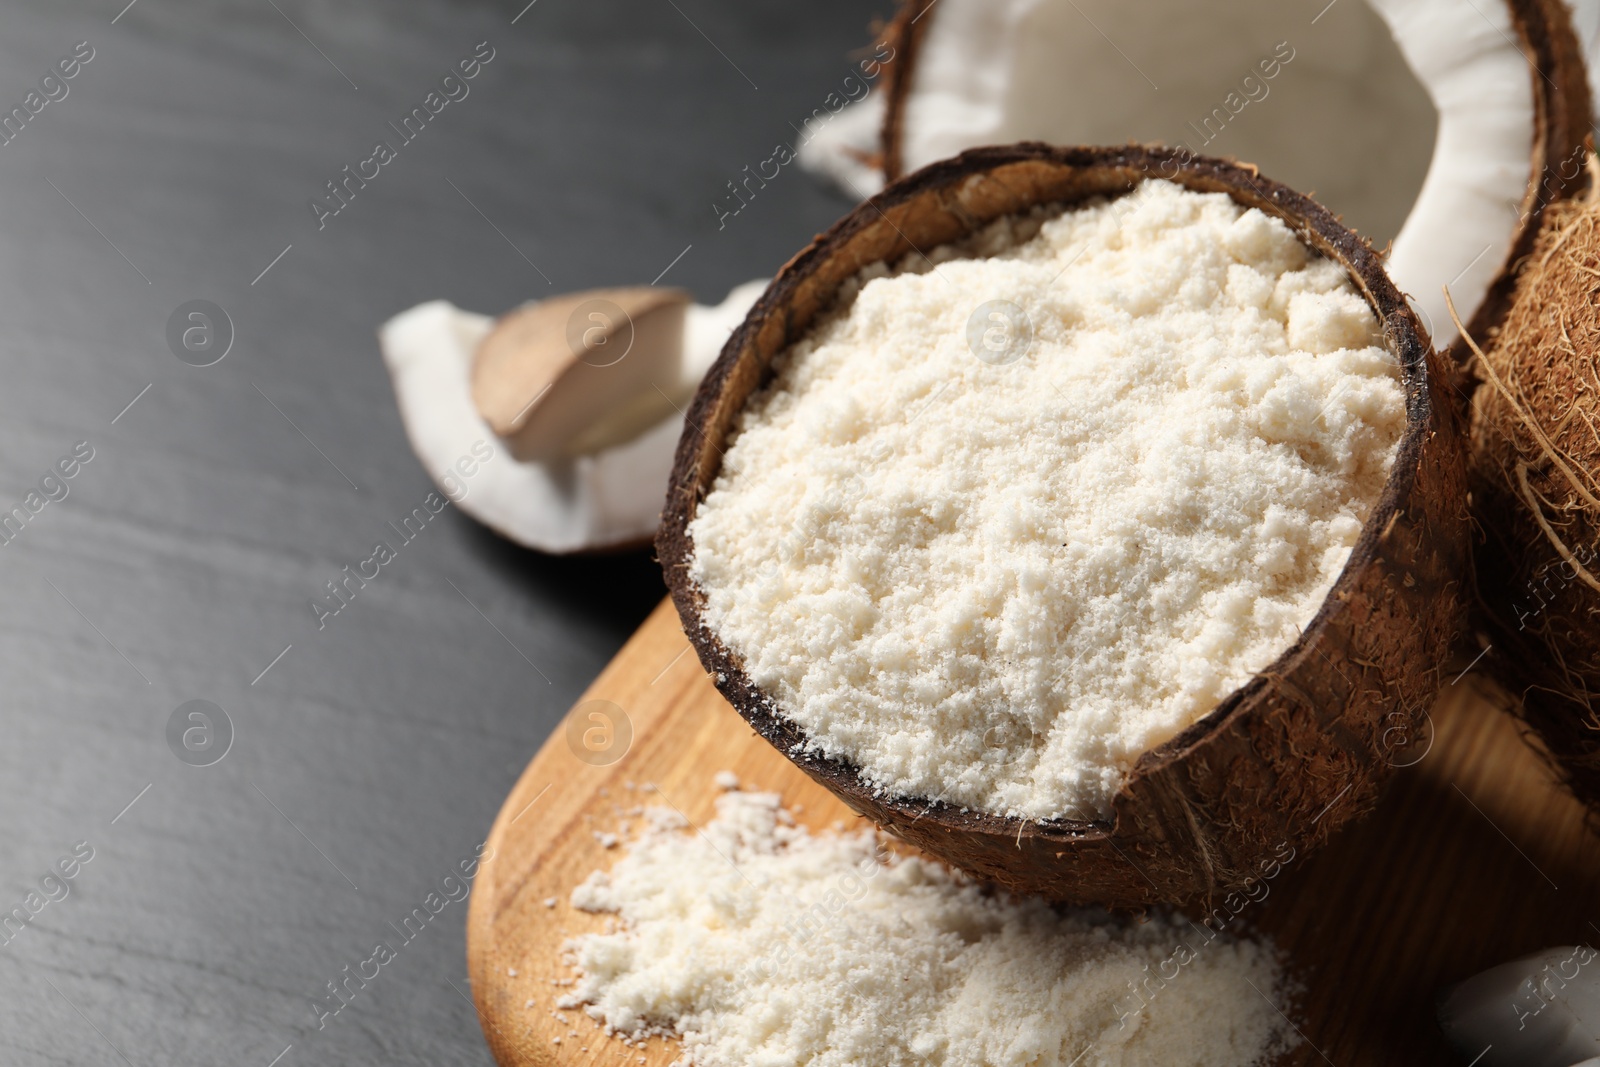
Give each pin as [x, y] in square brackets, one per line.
[1281, 762]
[1414, 120]
[573, 375]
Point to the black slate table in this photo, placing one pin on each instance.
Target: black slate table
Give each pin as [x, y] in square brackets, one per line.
[360, 762]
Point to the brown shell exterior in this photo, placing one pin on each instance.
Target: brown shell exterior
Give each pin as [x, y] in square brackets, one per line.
[1563, 118]
[1282, 762]
[1536, 496]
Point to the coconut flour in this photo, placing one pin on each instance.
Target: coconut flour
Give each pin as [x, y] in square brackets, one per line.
[757, 942]
[997, 581]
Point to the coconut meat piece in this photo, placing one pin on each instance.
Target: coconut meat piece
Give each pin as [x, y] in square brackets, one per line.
[1541, 1010]
[605, 499]
[578, 373]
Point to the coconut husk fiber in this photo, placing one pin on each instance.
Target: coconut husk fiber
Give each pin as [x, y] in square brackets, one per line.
[1535, 487]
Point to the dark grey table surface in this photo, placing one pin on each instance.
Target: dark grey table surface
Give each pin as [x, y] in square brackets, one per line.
[372, 756]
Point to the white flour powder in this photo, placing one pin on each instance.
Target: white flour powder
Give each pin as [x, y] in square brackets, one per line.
[761, 945]
[998, 585]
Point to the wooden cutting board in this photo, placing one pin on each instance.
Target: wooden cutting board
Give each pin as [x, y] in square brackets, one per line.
[1475, 856]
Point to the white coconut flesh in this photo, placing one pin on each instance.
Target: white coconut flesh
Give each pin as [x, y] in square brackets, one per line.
[1412, 119]
[610, 498]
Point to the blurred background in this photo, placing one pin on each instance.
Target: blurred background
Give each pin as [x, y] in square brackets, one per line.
[345, 770]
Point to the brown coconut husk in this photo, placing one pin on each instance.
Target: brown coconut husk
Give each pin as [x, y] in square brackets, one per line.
[1283, 761]
[1535, 484]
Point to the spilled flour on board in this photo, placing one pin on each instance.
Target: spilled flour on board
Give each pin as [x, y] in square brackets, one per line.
[754, 941]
